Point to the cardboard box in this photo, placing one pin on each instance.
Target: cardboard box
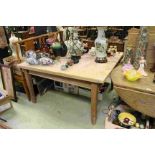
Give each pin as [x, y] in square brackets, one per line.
[68, 88]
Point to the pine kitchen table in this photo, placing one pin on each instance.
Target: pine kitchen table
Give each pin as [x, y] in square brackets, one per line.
[87, 74]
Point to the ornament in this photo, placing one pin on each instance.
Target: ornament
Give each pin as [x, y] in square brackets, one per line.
[32, 61]
[110, 51]
[142, 64]
[101, 46]
[45, 61]
[31, 54]
[74, 45]
[132, 75]
[64, 67]
[92, 51]
[127, 66]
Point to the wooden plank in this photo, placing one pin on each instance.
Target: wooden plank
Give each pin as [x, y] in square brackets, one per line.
[33, 38]
[94, 92]
[37, 37]
[17, 52]
[62, 79]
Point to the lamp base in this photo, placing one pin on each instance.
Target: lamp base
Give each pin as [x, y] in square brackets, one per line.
[101, 60]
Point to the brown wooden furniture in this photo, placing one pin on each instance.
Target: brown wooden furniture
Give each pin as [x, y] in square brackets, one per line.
[22, 34]
[8, 92]
[132, 39]
[140, 95]
[17, 73]
[7, 80]
[115, 41]
[87, 73]
[150, 54]
[26, 44]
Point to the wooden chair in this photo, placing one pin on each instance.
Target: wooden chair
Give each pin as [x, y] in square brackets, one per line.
[28, 44]
[25, 44]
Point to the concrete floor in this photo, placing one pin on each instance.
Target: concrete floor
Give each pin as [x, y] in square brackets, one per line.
[56, 110]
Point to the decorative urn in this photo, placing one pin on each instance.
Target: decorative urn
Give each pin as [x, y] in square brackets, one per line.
[101, 46]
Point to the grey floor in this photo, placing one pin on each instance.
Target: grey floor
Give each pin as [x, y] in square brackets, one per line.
[56, 110]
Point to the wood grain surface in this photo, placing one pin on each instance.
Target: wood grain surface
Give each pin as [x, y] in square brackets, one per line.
[87, 69]
[145, 84]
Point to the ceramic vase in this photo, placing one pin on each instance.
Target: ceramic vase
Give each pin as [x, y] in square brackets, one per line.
[74, 45]
[101, 46]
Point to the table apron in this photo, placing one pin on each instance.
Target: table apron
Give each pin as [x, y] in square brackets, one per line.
[84, 84]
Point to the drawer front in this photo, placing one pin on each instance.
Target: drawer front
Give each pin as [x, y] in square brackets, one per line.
[140, 101]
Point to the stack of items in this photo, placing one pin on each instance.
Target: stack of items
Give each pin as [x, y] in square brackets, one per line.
[122, 116]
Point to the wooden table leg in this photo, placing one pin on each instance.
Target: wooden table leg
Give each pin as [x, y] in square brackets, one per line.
[30, 85]
[94, 93]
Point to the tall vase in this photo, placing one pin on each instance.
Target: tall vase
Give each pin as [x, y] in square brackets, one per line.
[74, 45]
[101, 46]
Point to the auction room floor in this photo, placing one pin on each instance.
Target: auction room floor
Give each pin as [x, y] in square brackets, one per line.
[55, 109]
